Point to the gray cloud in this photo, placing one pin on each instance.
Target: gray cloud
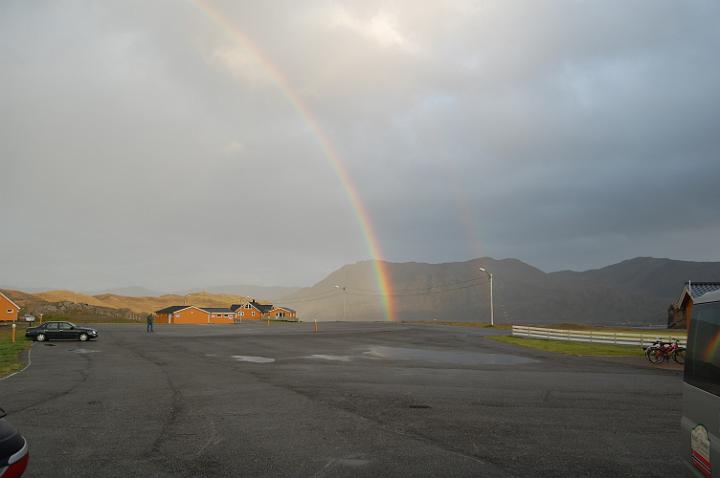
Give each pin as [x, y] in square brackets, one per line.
[142, 143]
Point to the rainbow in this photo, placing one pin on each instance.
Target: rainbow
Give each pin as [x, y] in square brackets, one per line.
[712, 348]
[281, 81]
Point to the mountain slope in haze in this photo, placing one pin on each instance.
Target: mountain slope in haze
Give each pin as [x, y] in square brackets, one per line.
[648, 275]
[132, 291]
[264, 292]
[633, 292]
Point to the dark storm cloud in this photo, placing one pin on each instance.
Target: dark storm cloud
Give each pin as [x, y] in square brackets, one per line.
[143, 144]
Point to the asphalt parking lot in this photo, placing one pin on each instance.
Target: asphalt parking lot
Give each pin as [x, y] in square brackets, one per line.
[368, 400]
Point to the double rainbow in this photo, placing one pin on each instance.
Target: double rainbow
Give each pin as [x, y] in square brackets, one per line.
[331, 154]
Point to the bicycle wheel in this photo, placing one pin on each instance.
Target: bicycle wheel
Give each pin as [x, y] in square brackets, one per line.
[679, 356]
[656, 356]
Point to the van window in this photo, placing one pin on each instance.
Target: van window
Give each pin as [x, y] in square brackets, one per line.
[702, 363]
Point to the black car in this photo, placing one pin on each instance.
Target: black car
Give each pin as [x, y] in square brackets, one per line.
[13, 450]
[60, 331]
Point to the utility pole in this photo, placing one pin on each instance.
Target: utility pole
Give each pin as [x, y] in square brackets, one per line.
[492, 309]
[343, 289]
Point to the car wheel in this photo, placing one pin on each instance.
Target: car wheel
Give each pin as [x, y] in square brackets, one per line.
[40, 337]
[83, 337]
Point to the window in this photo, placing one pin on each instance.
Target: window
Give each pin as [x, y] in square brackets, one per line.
[242, 313]
[10, 311]
[52, 326]
[65, 326]
[253, 313]
[702, 364]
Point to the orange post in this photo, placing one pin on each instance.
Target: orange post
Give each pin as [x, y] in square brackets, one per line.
[315, 326]
[13, 332]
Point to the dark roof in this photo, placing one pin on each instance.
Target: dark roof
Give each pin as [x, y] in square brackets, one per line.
[171, 309]
[698, 289]
[215, 310]
[285, 308]
[264, 308]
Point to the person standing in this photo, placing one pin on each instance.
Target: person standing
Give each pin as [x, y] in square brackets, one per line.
[150, 319]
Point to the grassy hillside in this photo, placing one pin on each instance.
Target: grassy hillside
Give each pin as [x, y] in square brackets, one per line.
[82, 307]
[151, 304]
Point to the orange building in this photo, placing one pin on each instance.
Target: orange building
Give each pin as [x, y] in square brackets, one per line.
[8, 309]
[220, 315]
[251, 310]
[190, 314]
[278, 312]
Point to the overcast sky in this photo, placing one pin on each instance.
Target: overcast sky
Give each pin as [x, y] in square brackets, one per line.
[142, 144]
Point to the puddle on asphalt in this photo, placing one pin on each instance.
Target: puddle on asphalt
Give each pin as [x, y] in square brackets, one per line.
[337, 358]
[253, 359]
[83, 351]
[446, 356]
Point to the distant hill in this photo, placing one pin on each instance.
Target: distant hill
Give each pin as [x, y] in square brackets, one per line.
[632, 292]
[133, 291]
[138, 305]
[636, 291]
[662, 278]
[264, 292]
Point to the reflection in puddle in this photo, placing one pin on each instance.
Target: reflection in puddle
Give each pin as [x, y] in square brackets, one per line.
[83, 351]
[446, 356]
[253, 359]
[339, 358]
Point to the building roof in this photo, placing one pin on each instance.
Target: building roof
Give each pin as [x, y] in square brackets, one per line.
[172, 309]
[698, 289]
[285, 308]
[712, 296]
[263, 308]
[217, 310]
[10, 300]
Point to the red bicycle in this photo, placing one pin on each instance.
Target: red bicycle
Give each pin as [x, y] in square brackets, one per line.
[661, 351]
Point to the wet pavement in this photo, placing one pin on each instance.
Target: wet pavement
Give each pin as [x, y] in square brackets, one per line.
[375, 400]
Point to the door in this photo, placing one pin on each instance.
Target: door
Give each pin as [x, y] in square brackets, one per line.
[52, 331]
[67, 331]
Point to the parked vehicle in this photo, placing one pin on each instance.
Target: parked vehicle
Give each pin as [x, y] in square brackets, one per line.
[60, 331]
[700, 424]
[660, 351]
[28, 318]
[13, 450]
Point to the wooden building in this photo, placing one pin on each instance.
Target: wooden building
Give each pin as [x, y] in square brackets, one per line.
[680, 312]
[8, 309]
[220, 315]
[278, 312]
[251, 310]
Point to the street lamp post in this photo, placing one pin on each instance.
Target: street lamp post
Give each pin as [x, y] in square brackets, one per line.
[343, 289]
[492, 309]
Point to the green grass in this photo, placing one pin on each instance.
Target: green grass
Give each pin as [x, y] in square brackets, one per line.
[573, 348]
[10, 352]
[89, 318]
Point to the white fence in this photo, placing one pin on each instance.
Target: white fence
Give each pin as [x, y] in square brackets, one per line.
[618, 338]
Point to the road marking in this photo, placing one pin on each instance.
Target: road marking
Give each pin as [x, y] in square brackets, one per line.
[253, 359]
[339, 358]
[21, 370]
